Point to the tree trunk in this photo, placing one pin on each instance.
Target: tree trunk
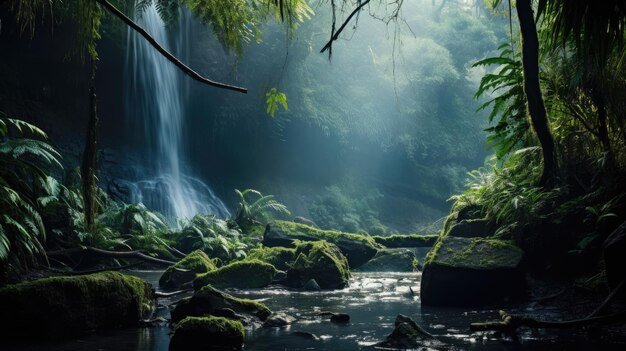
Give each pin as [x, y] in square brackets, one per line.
[532, 89]
[88, 167]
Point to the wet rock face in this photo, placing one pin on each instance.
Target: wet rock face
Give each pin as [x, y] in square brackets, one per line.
[207, 333]
[278, 320]
[60, 307]
[357, 248]
[472, 228]
[408, 335]
[468, 272]
[210, 301]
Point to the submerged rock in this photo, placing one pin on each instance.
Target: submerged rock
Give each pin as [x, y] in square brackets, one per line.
[340, 318]
[247, 274]
[185, 270]
[322, 262]
[279, 257]
[464, 271]
[408, 335]
[59, 307]
[357, 248]
[207, 333]
[210, 301]
[391, 260]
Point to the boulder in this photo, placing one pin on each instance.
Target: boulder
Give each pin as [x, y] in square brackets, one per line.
[357, 248]
[185, 270]
[320, 261]
[466, 272]
[406, 240]
[279, 257]
[247, 274]
[60, 307]
[210, 301]
[472, 228]
[615, 256]
[278, 320]
[311, 285]
[207, 333]
[391, 260]
[408, 335]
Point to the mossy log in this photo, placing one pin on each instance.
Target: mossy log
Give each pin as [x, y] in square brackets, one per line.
[406, 240]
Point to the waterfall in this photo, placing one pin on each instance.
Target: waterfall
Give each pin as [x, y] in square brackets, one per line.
[157, 96]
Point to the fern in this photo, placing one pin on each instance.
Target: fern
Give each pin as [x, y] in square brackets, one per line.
[261, 209]
[275, 98]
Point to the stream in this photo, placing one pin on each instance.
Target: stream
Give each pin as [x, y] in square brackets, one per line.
[372, 300]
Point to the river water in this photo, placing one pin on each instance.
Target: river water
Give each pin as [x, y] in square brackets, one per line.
[372, 300]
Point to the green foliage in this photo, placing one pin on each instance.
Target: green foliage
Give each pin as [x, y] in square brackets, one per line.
[512, 129]
[261, 209]
[275, 98]
[212, 236]
[24, 160]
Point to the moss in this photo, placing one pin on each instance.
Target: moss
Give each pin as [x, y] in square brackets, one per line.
[208, 300]
[196, 261]
[69, 306]
[331, 236]
[279, 257]
[211, 333]
[406, 240]
[246, 274]
[475, 253]
[323, 262]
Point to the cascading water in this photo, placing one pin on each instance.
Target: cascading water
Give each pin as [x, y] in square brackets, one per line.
[157, 99]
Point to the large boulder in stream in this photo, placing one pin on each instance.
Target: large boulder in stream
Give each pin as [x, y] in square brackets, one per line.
[319, 261]
[209, 301]
[279, 257]
[466, 272]
[357, 248]
[61, 307]
[391, 260]
[246, 274]
[185, 270]
[207, 333]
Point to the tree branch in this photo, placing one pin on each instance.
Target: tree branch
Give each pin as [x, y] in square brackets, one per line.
[510, 322]
[335, 36]
[111, 254]
[188, 71]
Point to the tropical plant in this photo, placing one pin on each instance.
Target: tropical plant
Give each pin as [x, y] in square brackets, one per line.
[213, 236]
[24, 162]
[259, 209]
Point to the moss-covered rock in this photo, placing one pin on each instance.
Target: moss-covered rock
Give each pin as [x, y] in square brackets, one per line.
[207, 333]
[60, 307]
[465, 271]
[357, 248]
[409, 335]
[391, 260]
[210, 301]
[406, 240]
[246, 274]
[279, 257]
[321, 261]
[185, 270]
